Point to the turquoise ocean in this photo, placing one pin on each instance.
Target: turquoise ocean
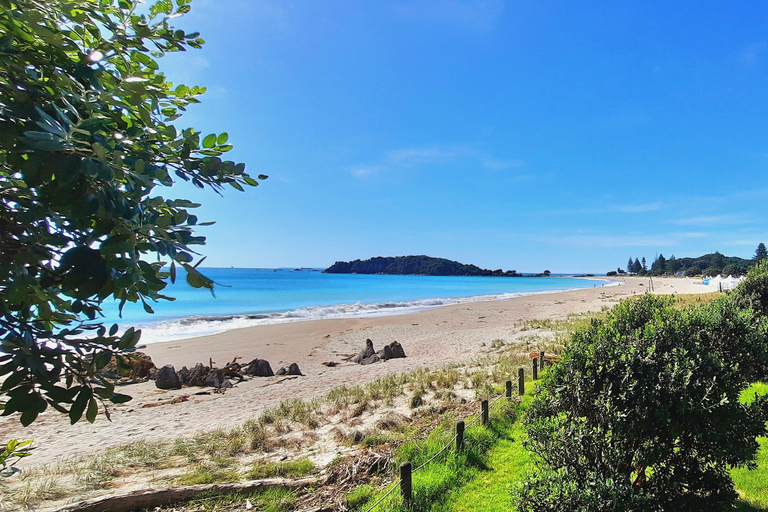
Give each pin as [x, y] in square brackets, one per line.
[248, 296]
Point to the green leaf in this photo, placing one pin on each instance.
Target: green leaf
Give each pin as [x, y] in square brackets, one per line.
[93, 410]
[99, 151]
[209, 141]
[27, 417]
[76, 411]
[173, 272]
[117, 398]
[222, 138]
[102, 359]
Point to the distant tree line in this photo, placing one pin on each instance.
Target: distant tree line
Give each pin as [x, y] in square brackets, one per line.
[706, 265]
[414, 265]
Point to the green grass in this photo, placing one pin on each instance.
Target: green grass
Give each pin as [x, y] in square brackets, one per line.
[435, 486]
[268, 500]
[208, 476]
[291, 468]
[507, 463]
[752, 485]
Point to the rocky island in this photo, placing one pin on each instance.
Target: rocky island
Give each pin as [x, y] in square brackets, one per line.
[414, 265]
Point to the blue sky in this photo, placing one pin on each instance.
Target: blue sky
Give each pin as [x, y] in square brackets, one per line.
[524, 135]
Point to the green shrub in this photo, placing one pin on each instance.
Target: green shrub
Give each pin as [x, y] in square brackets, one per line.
[654, 390]
[753, 291]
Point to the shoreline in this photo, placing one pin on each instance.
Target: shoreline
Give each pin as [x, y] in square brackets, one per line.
[431, 338]
[197, 323]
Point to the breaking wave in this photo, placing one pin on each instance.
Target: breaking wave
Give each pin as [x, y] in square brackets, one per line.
[195, 326]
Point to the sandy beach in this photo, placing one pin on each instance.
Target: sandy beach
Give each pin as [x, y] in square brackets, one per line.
[431, 338]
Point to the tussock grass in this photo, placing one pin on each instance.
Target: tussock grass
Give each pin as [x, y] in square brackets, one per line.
[293, 468]
[203, 475]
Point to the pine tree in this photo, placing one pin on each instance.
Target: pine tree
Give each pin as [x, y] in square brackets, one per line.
[673, 265]
[645, 266]
[636, 266]
[761, 252]
[630, 264]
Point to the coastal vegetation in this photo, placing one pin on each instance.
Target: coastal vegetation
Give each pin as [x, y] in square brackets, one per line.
[707, 265]
[417, 265]
[89, 134]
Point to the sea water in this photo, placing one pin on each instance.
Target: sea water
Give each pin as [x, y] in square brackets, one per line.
[248, 296]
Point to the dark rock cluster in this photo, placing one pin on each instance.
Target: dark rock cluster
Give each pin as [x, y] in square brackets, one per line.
[218, 378]
[369, 355]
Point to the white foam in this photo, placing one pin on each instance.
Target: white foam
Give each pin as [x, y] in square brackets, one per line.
[196, 326]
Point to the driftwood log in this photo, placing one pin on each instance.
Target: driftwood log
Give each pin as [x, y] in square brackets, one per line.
[150, 498]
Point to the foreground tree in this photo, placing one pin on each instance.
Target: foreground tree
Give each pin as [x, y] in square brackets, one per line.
[761, 252]
[87, 132]
[643, 412]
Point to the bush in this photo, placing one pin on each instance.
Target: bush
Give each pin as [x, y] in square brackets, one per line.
[753, 291]
[692, 271]
[643, 412]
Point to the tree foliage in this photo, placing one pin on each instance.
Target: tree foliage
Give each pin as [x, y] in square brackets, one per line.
[761, 252]
[643, 412]
[87, 135]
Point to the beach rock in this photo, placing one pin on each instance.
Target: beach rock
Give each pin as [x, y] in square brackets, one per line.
[197, 375]
[329, 364]
[183, 375]
[370, 360]
[397, 350]
[167, 378]
[385, 353]
[281, 371]
[217, 379]
[364, 354]
[293, 369]
[259, 368]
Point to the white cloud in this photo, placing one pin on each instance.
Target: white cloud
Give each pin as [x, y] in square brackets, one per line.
[712, 220]
[616, 208]
[637, 208]
[606, 241]
[751, 54]
[476, 15]
[365, 171]
[420, 155]
[500, 165]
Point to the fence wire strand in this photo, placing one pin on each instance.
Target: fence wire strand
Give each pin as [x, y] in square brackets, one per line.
[441, 450]
[397, 484]
[475, 416]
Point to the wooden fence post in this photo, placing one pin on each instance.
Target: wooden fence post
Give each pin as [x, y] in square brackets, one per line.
[509, 389]
[535, 369]
[521, 381]
[406, 482]
[484, 411]
[542, 360]
[459, 435]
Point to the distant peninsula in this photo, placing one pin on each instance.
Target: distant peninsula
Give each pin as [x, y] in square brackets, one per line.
[416, 266]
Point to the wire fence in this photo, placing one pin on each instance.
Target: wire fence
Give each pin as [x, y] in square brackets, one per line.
[405, 483]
